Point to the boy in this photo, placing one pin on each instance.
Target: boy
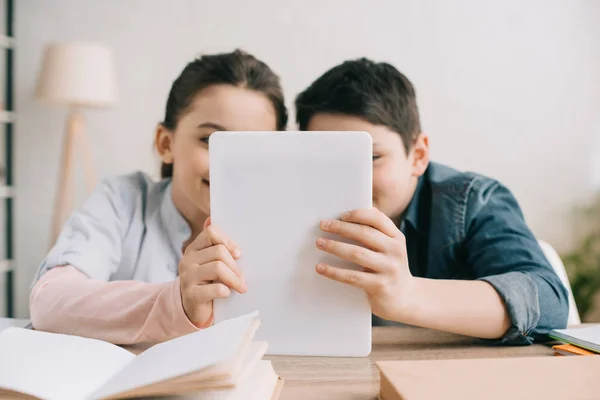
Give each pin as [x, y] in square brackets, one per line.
[441, 249]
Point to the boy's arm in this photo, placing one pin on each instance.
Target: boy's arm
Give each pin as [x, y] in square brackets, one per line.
[65, 300]
[502, 251]
[465, 307]
[517, 295]
[472, 308]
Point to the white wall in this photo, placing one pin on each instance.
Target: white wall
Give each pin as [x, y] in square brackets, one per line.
[510, 89]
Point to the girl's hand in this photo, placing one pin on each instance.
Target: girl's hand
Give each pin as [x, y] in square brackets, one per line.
[207, 271]
[386, 277]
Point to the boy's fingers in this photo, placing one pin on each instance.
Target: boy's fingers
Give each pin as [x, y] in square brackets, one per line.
[364, 234]
[359, 279]
[373, 218]
[355, 254]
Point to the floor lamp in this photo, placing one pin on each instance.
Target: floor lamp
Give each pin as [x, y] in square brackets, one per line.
[77, 75]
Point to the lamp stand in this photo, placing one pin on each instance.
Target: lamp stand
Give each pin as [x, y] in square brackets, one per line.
[76, 140]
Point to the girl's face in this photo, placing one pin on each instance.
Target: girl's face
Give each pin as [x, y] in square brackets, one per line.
[216, 108]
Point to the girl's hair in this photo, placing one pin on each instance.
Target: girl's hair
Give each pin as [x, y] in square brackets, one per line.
[237, 68]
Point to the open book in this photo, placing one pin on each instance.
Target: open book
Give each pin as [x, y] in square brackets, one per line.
[220, 362]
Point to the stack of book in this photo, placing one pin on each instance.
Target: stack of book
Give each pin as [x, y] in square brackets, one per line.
[218, 363]
[583, 341]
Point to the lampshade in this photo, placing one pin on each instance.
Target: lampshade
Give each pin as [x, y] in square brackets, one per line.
[77, 74]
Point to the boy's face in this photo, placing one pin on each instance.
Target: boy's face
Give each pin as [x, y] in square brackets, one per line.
[395, 173]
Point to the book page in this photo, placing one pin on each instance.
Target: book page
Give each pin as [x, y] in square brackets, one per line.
[186, 354]
[55, 366]
[258, 384]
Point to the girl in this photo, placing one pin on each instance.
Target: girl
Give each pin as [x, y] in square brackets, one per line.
[135, 264]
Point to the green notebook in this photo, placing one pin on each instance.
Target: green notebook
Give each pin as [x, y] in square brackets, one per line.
[586, 337]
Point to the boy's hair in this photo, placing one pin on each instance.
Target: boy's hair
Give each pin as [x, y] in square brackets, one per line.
[375, 92]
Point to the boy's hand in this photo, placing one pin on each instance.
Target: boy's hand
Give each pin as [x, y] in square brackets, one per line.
[386, 277]
[207, 271]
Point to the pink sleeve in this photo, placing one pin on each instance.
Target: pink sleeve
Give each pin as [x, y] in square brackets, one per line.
[65, 300]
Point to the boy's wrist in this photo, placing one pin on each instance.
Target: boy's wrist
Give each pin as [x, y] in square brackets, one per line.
[408, 301]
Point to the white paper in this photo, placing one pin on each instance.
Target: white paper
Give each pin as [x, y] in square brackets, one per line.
[181, 356]
[54, 366]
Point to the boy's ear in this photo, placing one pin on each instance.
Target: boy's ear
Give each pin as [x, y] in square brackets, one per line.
[163, 142]
[420, 155]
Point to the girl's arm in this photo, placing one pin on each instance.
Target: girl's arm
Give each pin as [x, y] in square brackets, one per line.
[74, 294]
[65, 300]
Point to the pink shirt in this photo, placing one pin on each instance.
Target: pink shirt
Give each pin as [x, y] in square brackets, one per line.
[112, 273]
[64, 300]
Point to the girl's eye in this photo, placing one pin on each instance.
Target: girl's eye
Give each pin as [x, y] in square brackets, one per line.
[204, 139]
[376, 157]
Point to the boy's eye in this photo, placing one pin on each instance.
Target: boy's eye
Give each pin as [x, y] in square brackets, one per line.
[204, 139]
[376, 157]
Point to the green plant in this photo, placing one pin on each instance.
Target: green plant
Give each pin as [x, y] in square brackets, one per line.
[583, 261]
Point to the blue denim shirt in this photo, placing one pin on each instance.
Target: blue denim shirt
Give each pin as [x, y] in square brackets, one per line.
[467, 226]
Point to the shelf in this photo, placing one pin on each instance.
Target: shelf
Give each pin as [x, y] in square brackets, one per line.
[4, 266]
[6, 191]
[6, 42]
[7, 116]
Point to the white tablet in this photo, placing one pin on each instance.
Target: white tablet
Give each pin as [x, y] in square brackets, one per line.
[268, 193]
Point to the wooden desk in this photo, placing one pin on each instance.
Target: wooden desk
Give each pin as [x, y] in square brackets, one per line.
[358, 378]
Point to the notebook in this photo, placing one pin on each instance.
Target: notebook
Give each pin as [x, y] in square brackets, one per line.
[547, 378]
[220, 362]
[584, 337]
[570, 350]
[269, 191]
